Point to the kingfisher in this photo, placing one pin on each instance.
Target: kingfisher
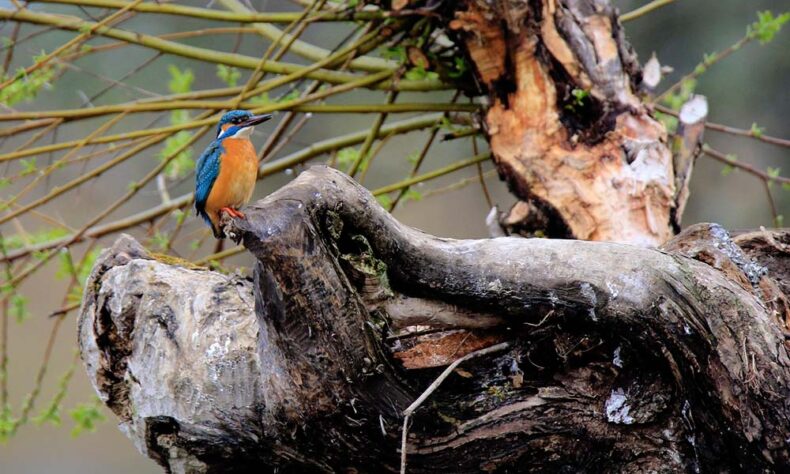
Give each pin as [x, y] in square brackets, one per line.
[227, 170]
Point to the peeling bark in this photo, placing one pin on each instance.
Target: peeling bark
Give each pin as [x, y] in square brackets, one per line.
[567, 126]
[621, 359]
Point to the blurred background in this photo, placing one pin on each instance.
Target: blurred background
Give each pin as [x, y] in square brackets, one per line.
[749, 87]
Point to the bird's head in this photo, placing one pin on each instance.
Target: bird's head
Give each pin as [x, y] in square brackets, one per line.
[239, 124]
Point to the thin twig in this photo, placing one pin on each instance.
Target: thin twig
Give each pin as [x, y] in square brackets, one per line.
[703, 66]
[4, 329]
[644, 10]
[483, 185]
[267, 169]
[423, 153]
[771, 203]
[99, 217]
[374, 132]
[72, 42]
[433, 174]
[407, 413]
[208, 55]
[719, 156]
[91, 112]
[731, 130]
[239, 16]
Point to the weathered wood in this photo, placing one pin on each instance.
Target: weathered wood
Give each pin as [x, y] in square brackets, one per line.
[567, 126]
[622, 359]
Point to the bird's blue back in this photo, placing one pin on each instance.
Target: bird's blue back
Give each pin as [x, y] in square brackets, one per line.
[206, 172]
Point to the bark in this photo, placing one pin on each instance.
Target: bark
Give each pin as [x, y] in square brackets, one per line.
[620, 358]
[567, 124]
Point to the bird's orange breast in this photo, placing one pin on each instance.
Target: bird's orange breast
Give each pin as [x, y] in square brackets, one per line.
[235, 183]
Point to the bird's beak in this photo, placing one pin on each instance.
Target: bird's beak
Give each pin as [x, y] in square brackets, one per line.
[255, 120]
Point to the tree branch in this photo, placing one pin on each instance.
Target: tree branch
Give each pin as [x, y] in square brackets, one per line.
[202, 54]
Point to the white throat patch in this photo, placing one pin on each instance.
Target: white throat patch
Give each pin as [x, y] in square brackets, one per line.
[240, 133]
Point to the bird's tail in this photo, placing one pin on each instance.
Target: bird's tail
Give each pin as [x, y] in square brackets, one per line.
[218, 234]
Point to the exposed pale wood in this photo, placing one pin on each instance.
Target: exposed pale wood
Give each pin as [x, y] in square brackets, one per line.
[600, 165]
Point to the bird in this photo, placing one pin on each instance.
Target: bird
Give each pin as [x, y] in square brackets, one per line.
[226, 172]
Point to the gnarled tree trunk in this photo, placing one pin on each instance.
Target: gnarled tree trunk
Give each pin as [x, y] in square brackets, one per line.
[619, 358]
[609, 357]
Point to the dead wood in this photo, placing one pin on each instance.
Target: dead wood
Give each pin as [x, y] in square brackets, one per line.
[620, 358]
[567, 124]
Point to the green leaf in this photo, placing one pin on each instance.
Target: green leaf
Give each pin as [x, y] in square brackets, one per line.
[419, 73]
[65, 265]
[18, 308]
[579, 95]
[27, 86]
[773, 173]
[292, 95]
[51, 414]
[182, 163]
[385, 200]
[262, 99]
[460, 67]
[180, 216]
[412, 195]
[160, 240]
[228, 74]
[756, 131]
[16, 241]
[28, 166]
[80, 272]
[395, 53]
[766, 26]
[6, 424]
[413, 157]
[86, 416]
[347, 156]
[179, 116]
[40, 254]
[779, 220]
[180, 80]
[4, 182]
[446, 124]
[676, 99]
[670, 122]
[729, 168]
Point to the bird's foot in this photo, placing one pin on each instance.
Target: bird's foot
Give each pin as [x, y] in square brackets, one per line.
[229, 225]
[233, 212]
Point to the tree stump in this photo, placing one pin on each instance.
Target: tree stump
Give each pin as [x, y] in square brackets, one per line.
[620, 358]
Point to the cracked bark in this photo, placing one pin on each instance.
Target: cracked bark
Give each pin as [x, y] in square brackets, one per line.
[622, 358]
[567, 125]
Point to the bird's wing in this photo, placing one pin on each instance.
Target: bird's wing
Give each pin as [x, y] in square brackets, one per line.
[206, 173]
